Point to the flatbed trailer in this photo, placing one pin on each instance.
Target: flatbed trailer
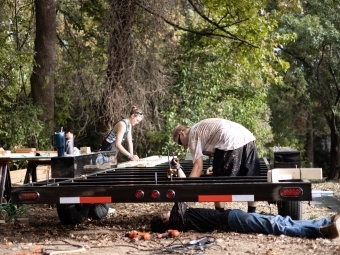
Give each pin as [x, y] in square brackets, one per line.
[90, 191]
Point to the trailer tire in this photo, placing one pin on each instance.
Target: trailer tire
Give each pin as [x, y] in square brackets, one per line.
[290, 208]
[72, 214]
[99, 211]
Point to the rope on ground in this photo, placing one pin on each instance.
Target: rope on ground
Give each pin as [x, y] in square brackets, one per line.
[193, 247]
[47, 251]
[79, 248]
[199, 245]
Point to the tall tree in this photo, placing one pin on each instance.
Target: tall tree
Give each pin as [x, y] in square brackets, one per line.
[314, 55]
[42, 79]
[141, 54]
[19, 125]
[119, 60]
[224, 66]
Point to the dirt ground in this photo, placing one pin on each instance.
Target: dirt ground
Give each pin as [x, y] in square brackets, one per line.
[44, 234]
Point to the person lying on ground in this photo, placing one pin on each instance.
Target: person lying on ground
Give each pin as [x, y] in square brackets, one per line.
[183, 218]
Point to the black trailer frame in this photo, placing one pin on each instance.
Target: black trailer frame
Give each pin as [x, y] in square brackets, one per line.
[151, 184]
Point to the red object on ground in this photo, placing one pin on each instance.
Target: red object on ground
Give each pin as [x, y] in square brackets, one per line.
[135, 236]
[169, 233]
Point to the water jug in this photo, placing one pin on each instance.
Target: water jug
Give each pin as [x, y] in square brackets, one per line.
[58, 141]
[69, 143]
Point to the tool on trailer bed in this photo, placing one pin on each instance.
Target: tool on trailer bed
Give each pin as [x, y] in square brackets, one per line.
[80, 192]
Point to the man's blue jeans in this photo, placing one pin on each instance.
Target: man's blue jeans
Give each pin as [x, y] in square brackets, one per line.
[242, 222]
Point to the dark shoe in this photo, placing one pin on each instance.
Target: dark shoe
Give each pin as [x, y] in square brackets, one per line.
[251, 209]
[219, 209]
[331, 231]
[335, 217]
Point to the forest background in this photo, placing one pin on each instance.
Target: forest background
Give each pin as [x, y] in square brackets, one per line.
[80, 65]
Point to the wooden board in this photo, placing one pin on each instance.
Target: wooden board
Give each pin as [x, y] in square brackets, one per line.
[18, 176]
[278, 174]
[25, 156]
[25, 150]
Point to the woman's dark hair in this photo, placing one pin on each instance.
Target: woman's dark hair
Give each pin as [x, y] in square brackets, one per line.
[158, 226]
[135, 110]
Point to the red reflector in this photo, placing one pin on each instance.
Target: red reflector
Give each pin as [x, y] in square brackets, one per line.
[28, 196]
[155, 194]
[291, 192]
[139, 194]
[170, 194]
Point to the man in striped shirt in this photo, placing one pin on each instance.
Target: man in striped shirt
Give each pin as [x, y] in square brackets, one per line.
[231, 145]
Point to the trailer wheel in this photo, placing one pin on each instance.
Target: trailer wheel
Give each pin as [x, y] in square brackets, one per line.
[290, 208]
[98, 211]
[72, 214]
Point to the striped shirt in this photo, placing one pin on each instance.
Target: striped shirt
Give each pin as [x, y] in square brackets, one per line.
[215, 133]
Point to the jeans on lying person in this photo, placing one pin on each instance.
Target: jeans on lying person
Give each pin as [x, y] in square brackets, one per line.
[240, 221]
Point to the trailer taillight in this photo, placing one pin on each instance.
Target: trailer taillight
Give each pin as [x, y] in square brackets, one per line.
[170, 194]
[291, 192]
[28, 195]
[155, 194]
[139, 194]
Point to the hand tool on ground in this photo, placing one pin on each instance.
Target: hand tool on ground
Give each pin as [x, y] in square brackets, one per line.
[36, 251]
[135, 236]
[169, 233]
[196, 245]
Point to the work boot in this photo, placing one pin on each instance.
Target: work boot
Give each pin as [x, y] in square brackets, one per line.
[331, 231]
[335, 217]
[251, 209]
[221, 209]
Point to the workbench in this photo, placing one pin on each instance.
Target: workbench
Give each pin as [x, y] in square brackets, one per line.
[31, 175]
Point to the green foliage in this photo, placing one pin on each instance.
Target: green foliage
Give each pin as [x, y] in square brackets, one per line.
[20, 127]
[309, 98]
[218, 77]
[313, 217]
[19, 124]
[246, 61]
[81, 64]
[156, 141]
[15, 52]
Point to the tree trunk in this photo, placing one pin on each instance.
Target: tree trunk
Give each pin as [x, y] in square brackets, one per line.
[115, 101]
[334, 161]
[310, 142]
[310, 148]
[42, 79]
